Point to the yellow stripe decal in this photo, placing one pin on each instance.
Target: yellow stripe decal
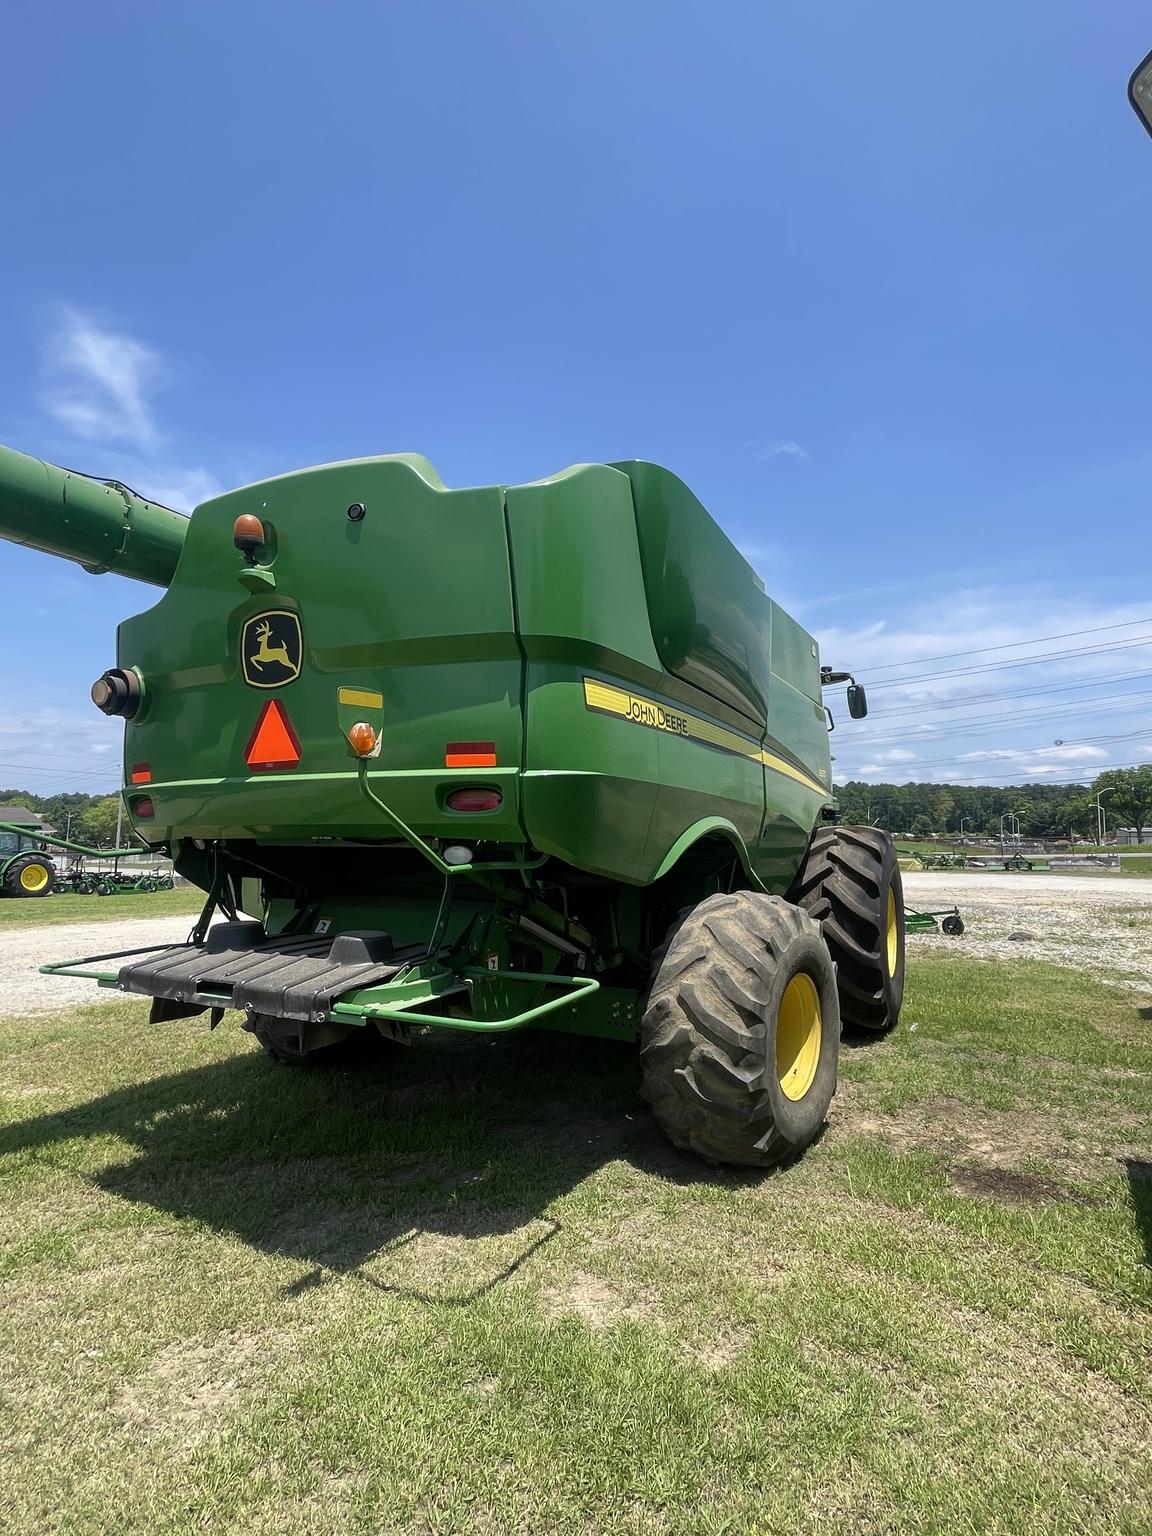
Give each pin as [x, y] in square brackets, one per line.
[362, 698]
[608, 700]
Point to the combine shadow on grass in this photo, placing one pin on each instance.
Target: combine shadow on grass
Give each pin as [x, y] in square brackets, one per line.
[1140, 1193]
[455, 1138]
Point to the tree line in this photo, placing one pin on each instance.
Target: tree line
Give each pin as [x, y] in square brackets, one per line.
[87, 819]
[975, 810]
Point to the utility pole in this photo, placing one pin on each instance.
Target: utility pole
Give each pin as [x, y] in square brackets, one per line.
[119, 826]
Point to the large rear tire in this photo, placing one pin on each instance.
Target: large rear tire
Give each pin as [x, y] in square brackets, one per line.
[850, 883]
[741, 1035]
[30, 876]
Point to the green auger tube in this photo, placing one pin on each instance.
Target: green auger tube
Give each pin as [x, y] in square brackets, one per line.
[101, 524]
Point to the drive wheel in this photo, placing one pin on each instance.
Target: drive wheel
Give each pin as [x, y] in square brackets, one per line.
[741, 1035]
[30, 876]
[850, 882]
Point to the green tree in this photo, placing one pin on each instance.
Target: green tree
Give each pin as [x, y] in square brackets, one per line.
[98, 821]
[945, 806]
[1130, 802]
[1075, 817]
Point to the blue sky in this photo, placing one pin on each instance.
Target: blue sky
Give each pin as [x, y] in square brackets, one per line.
[873, 280]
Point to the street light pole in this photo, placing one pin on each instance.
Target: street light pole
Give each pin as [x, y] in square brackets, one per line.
[1101, 819]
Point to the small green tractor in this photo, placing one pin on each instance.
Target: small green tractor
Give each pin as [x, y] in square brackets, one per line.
[515, 756]
[25, 868]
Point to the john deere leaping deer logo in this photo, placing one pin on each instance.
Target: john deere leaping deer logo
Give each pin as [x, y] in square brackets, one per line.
[271, 648]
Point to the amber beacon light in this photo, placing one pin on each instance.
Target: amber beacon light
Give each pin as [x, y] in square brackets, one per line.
[362, 739]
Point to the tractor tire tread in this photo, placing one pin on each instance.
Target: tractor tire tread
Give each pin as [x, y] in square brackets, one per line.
[704, 1035]
[843, 884]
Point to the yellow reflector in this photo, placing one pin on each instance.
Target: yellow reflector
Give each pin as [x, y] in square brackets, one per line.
[360, 698]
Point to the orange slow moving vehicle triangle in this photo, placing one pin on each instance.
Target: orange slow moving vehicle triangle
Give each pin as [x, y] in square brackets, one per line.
[273, 743]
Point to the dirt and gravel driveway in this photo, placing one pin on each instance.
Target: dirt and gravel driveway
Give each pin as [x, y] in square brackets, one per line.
[23, 950]
[1087, 922]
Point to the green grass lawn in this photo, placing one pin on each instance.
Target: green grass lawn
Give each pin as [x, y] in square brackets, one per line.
[471, 1289]
[25, 912]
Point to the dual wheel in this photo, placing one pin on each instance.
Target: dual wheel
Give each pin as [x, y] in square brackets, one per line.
[741, 1036]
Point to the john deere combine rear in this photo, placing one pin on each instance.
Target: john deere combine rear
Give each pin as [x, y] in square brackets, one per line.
[517, 756]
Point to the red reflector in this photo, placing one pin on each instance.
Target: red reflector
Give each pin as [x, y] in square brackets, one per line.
[141, 773]
[273, 743]
[144, 810]
[470, 754]
[474, 800]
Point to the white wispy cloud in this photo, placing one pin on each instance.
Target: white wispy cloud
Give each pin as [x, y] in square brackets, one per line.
[181, 489]
[101, 385]
[98, 383]
[775, 448]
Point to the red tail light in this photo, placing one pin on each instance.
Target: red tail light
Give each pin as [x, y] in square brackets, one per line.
[474, 800]
[143, 810]
[470, 754]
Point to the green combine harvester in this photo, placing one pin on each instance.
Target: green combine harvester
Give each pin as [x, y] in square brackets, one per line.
[538, 755]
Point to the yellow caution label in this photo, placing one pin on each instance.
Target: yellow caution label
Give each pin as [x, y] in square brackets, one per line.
[360, 698]
[606, 699]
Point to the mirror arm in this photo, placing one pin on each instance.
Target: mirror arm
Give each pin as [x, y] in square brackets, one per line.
[829, 678]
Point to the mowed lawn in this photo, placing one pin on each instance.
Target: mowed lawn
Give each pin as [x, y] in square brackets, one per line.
[471, 1288]
[68, 907]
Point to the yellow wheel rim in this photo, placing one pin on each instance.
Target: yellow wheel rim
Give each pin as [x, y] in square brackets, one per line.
[33, 877]
[798, 1032]
[893, 932]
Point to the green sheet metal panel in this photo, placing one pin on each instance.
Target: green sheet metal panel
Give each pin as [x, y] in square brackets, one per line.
[709, 614]
[590, 780]
[413, 602]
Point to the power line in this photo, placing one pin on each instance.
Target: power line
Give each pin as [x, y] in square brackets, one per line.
[931, 707]
[982, 650]
[1084, 741]
[24, 769]
[1026, 661]
[1107, 704]
[1078, 779]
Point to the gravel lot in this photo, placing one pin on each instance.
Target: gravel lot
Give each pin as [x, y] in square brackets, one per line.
[1090, 923]
[1093, 924]
[22, 950]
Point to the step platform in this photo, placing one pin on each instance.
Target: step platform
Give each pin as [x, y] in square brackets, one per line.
[298, 977]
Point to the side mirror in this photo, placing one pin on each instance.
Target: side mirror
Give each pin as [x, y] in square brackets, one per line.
[1140, 92]
[857, 701]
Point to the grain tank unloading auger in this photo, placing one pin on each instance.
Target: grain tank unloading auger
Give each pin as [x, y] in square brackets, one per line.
[508, 756]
